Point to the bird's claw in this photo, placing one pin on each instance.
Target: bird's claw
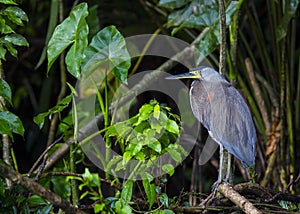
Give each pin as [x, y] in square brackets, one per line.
[214, 187]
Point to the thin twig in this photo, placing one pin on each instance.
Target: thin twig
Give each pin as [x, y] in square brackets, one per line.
[43, 154]
[285, 189]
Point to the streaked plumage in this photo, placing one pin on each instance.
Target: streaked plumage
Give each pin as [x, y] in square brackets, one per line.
[223, 112]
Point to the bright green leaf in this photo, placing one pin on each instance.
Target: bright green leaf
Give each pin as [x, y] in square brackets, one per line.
[4, 28]
[40, 118]
[15, 39]
[73, 30]
[87, 176]
[144, 113]
[134, 148]
[155, 125]
[10, 123]
[16, 15]
[168, 168]
[172, 127]
[5, 91]
[126, 157]
[8, 2]
[122, 208]
[127, 191]
[156, 111]
[155, 145]
[108, 49]
[150, 192]
[99, 207]
[174, 154]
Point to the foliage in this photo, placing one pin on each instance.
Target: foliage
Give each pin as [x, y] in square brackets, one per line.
[12, 202]
[10, 17]
[147, 135]
[261, 34]
[199, 14]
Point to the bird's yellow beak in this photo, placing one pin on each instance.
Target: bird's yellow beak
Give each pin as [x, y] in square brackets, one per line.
[189, 75]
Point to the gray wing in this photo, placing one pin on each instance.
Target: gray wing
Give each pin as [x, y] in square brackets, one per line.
[225, 114]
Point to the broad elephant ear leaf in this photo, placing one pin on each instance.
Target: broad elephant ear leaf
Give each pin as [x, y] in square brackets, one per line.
[108, 49]
[72, 31]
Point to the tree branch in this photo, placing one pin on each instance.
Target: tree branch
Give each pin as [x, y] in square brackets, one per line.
[237, 199]
[38, 189]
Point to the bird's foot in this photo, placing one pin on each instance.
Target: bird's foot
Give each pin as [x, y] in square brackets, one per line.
[214, 187]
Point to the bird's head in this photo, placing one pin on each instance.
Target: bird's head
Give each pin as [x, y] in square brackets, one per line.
[200, 73]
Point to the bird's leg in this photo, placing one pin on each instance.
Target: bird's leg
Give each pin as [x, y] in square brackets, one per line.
[228, 171]
[220, 175]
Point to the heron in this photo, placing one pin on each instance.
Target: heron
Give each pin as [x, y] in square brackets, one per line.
[224, 113]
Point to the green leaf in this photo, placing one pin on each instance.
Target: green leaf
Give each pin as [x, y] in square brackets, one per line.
[10, 123]
[207, 45]
[9, 41]
[99, 207]
[168, 168]
[15, 39]
[5, 91]
[16, 15]
[73, 30]
[144, 113]
[47, 209]
[87, 176]
[150, 192]
[172, 127]
[40, 118]
[36, 200]
[127, 191]
[289, 12]
[156, 111]
[163, 198]
[126, 157]
[11, 49]
[4, 28]
[2, 52]
[93, 22]
[172, 4]
[175, 155]
[155, 145]
[208, 18]
[8, 2]
[134, 147]
[108, 49]
[122, 208]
